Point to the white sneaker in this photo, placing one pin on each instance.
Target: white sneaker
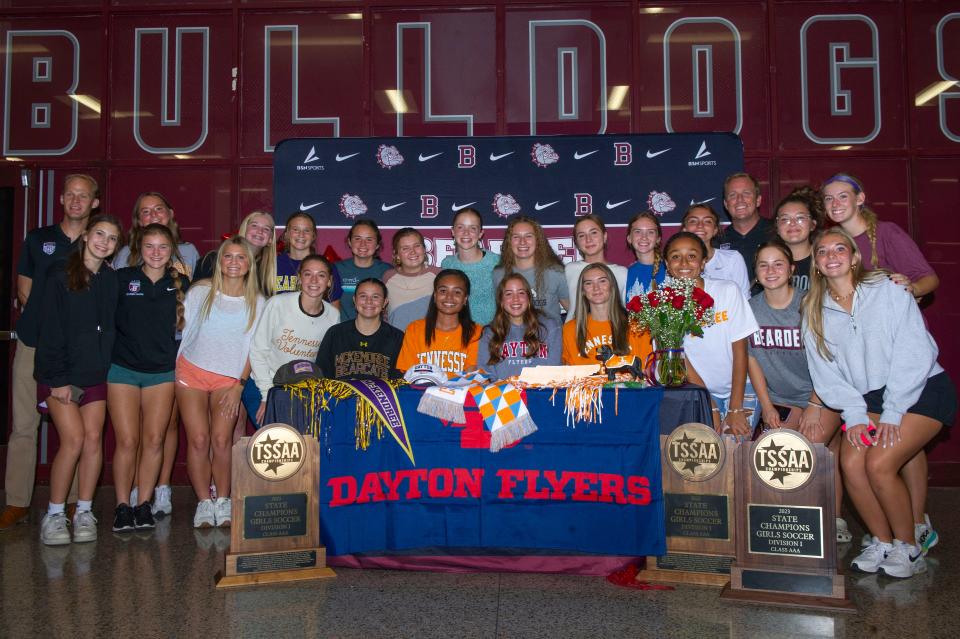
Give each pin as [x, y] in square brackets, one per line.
[84, 527]
[872, 556]
[925, 536]
[134, 502]
[904, 560]
[224, 507]
[844, 535]
[162, 501]
[205, 516]
[53, 530]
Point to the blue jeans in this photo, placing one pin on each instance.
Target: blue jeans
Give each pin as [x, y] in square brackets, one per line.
[750, 403]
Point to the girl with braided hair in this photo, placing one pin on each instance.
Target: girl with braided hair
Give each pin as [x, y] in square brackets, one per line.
[644, 237]
[140, 389]
[884, 245]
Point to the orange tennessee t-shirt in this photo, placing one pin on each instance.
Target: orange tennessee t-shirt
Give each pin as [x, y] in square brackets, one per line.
[598, 334]
[446, 350]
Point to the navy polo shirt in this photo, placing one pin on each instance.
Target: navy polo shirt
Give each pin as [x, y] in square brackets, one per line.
[41, 248]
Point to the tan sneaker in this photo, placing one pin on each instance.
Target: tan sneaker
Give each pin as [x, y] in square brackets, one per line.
[13, 515]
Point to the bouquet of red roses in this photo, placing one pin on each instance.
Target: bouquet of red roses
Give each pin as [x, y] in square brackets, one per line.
[671, 313]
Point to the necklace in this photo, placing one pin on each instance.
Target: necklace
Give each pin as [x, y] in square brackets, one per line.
[839, 299]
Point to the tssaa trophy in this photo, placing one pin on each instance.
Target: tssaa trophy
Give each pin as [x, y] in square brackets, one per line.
[786, 519]
[275, 536]
[698, 508]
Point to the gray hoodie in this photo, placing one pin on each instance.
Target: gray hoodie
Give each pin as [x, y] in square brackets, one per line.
[882, 343]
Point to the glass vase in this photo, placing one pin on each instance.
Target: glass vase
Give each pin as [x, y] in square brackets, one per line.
[670, 367]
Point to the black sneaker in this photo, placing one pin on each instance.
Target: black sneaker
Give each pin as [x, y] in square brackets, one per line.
[143, 516]
[123, 518]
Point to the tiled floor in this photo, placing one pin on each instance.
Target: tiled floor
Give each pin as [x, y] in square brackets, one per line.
[161, 585]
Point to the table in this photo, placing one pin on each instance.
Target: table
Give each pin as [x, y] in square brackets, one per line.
[462, 506]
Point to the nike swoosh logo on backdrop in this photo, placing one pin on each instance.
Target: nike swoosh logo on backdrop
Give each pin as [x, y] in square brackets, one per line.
[307, 207]
[494, 158]
[385, 208]
[653, 154]
[457, 207]
[616, 204]
[424, 158]
[579, 156]
[692, 201]
[540, 207]
[341, 158]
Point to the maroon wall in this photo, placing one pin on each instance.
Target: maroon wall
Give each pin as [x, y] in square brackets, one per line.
[821, 87]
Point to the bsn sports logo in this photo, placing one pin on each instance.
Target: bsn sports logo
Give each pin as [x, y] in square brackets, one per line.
[308, 161]
[133, 287]
[49, 247]
[276, 452]
[660, 202]
[388, 156]
[352, 206]
[783, 459]
[544, 155]
[702, 153]
[505, 205]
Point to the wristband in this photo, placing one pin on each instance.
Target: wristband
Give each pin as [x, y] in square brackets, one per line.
[815, 404]
[735, 411]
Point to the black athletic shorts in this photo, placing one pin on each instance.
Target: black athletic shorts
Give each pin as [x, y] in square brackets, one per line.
[937, 401]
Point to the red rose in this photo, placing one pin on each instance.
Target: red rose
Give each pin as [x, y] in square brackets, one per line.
[677, 302]
[707, 301]
[699, 313]
[654, 300]
[634, 304]
[698, 294]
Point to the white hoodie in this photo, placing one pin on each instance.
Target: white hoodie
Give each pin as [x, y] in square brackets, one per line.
[883, 343]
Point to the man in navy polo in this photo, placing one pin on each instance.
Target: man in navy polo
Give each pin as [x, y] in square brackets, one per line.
[41, 248]
[747, 230]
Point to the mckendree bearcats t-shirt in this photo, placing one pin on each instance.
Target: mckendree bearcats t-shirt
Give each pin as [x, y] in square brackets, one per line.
[778, 348]
[712, 354]
[546, 300]
[351, 275]
[346, 353]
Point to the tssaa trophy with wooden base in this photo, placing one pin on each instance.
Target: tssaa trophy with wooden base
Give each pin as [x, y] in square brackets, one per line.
[786, 520]
[275, 535]
[698, 508]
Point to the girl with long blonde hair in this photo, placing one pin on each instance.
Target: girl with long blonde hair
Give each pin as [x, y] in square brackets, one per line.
[871, 357]
[884, 245]
[212, 368]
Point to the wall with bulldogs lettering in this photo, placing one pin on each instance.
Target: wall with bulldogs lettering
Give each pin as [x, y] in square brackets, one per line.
[190, 97]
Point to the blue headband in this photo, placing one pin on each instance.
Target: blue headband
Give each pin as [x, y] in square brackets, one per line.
[846, 179]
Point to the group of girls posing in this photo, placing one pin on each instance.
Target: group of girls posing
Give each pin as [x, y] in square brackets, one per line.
[831, 334]
[142, 342]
